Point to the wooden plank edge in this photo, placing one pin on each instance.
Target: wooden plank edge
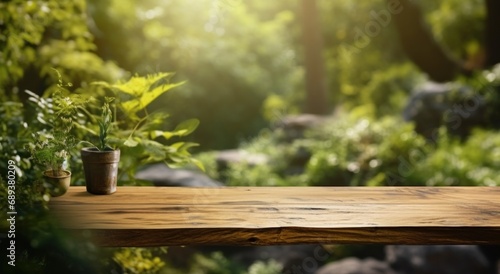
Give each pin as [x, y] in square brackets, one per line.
[293, 235]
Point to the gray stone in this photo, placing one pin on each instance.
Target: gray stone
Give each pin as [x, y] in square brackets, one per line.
[162, 175]
[234, 156]
[457, 107]
[304, 259]
[436, 259]
[294, 126]
[356, 266]
[294, 258]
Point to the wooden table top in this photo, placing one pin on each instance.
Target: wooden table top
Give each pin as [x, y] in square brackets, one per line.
[168, 216]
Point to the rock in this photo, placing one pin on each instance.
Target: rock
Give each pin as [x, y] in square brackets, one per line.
[303, 259]
[356, 266]
[294, 126]
[437, 259]
[233, 156]
[294, 258]
[492, 254]
[161, 175]
[459, 108]
[297, 161]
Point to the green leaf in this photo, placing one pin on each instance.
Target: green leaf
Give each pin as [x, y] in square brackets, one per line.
[155, 151]
[156, 133]
[183, 146]
[144, 90]
[183, 129]
[130, 142]
[186, 127]
[177, 146]
[173, 164]
[177, 158]
[198, 163]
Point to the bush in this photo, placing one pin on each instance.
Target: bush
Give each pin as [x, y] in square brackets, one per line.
[347, 151]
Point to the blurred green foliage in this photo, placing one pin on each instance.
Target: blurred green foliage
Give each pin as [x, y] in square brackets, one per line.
[351, 151]
[446, 17]
[233, 54]
[217, 263]
[40, 35]
[139, 260]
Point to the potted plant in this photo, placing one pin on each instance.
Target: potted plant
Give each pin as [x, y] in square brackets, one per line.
[52, 145]
[100, 162]
[132, 133]
[51, 149]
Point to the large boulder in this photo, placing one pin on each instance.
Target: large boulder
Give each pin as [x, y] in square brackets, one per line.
[294, 258]
[305, 259]
[294, 126]
[458, 107]
[356, 266]
[161, 175]
[225, 158]
[437, 259]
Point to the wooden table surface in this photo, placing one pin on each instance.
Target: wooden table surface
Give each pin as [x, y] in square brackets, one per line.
[168, 216]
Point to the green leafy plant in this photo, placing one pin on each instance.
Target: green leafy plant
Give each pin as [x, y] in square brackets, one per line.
[51, 150]
[105, 123]
[128, 125]
[140, 260]
[52, 145]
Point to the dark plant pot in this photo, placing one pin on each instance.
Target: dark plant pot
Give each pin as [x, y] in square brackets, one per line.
[57, 185]
[101, 170]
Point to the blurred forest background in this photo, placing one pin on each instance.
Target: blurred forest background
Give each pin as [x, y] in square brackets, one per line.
[254, 68]
[243, 62]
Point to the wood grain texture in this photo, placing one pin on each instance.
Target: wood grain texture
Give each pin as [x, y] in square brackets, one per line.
[167, 216]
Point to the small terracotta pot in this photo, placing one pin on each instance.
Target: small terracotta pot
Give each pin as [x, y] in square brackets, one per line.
[101, 170]
[57, 185]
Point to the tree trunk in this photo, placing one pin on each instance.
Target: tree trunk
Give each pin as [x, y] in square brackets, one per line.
[422, 48]
[492, 33]
[316, 82]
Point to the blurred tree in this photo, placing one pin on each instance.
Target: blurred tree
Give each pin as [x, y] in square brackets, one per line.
[420, 45]
[363, 58]
[312, 41]
[492, 33]
[431, 56]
